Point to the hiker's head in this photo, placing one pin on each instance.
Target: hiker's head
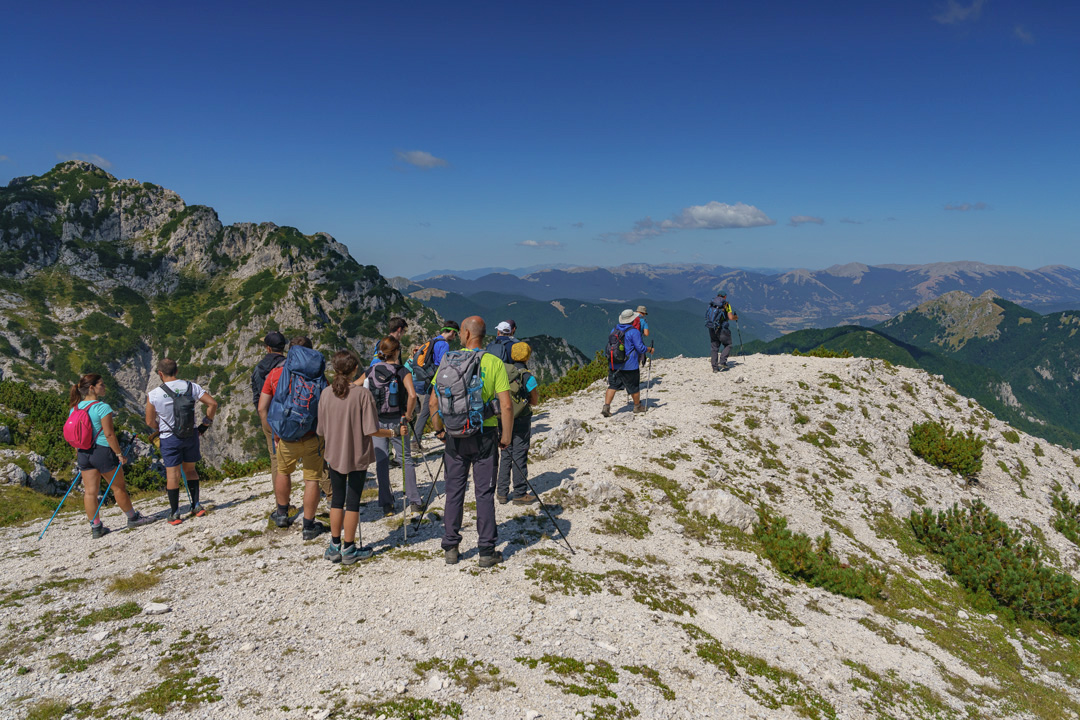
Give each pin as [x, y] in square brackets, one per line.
[449, 330]
[275, 341]
[473, 330]
[389, 347]
[89, 384]
[302, 341]
[398, 326]
[520, 352]
[166, 368]
[627, 316]
[345, 365]
[642, 310]
[722, 296]
[506, 327]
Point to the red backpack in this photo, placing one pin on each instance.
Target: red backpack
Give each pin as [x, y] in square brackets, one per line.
[79, 428]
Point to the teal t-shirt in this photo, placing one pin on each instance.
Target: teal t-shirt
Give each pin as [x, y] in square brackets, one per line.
[97, 412]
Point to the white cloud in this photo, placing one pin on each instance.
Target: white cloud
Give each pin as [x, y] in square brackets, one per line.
[955, 13]
[711, 216]
[86, 157]
[420, 159]
[797, 220]
[541, 243]
[1024, 35]
[964, 207]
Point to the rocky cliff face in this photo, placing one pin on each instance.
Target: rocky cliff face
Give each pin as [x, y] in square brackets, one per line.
[105, 275]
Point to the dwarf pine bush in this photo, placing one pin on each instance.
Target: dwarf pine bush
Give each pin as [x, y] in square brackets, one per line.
[943, 447]
[822, 352]
[1067, 521]
[796, 555]
[577, 378]
[998, 566]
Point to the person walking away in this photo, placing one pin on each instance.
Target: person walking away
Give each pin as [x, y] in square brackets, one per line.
[391, 386]
[422, 365]
[98, 451]
[347, 423]
[524, 394]
[718, 317]
[275, 357]
[470, 387]
[504, 340]
[640, 323]
[396, 330]
[625, 347]
[172, 405]
[288, 406]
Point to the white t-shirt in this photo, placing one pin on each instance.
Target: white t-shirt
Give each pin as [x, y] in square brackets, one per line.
[164, 404]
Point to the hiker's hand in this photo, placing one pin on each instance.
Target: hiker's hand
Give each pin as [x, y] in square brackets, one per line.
[123, 459]
[404, 429]
[652, 350]
[504, 441]
[441, 435]
[203, 427]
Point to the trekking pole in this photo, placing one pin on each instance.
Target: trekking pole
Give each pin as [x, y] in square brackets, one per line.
[648, 379]
[542, 505]
[434, 484]
[73, 482]
[423, 457]
[183, 476]
[739, 330]
[404, 491]
[109, 487]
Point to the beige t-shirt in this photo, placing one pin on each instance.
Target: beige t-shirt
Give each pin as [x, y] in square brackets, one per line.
[347, 424]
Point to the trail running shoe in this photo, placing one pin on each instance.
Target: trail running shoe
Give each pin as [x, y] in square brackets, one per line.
[283, 520]
[491, 560]
[638, 409]
[333, 553]
[139, 520]
[503, 499]
[606, 412]
[198, 510]
[175, 518]
[310, 533]
[526, 499]
[388, 510]
[97, 531]
[353, 554]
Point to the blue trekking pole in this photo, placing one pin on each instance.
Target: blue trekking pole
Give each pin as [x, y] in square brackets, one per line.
[73, 482]
[107, 489]
[182, 475]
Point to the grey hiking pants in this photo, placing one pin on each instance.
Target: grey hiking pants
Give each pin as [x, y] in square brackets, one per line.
[481, 453]
[382, 466]
[423, 414]
[716, 339]
[516, 457]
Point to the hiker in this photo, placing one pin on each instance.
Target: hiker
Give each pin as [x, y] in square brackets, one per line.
[624, 348]
[469, 427]
[524, 393]
[395, 401]
[640, 323]
[504, 340]
[98, 454]
[172, 404]
[718, 317]
[423, 364]
[275, 357]
[288, 407]
[396, 330]
[347, 422]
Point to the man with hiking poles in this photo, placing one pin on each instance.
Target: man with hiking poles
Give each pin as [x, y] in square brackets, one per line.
[718, 317]
[625, 347]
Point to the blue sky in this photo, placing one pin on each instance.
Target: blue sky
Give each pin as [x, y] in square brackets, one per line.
[459, 135]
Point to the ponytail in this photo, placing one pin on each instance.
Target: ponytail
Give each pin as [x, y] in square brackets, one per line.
[387, 347]
[80, 389]
[345, 364]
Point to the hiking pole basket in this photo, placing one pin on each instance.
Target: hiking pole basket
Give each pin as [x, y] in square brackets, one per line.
[547, 512]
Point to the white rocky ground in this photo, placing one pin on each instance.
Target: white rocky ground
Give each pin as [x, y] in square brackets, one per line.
[259, 625]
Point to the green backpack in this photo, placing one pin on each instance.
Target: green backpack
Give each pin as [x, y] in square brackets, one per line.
[519, 397]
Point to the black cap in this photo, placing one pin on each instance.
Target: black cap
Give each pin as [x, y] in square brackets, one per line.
[723, 294]
[275, 340]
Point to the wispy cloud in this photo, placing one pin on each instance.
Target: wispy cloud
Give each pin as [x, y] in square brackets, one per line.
[86, 157]
[955, 13]
[711, 216]
[420, 159]
[541, 243]
[964, 207]
[849, 221]
[797, 220]
[578, 225]
[550, 227]
[1024, 35]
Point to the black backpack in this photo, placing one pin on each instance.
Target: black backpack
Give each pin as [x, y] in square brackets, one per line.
[183, 412]
[387, 388]
[616, 347]
[715, 316]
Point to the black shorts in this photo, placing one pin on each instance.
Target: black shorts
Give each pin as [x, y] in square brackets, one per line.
[629, 380]
[99, 457]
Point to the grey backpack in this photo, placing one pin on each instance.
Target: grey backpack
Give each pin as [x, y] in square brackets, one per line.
[459, 387]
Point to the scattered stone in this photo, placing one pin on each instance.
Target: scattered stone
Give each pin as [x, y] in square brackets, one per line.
[460, 635]
[247, 647]
[434, 683]
[574, 614]
[919, 630]
[260, 564]
[610, 648]
[168, 552]
[801, 632]
[570, 431]
[962, 615]
[156, 609]
[727, 508]
[531, 715]
[100, 636]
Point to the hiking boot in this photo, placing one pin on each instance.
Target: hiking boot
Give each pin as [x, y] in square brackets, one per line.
[139, 520]
[388, 511]
[416, 508]
[333, 553]
[198, 510]
[97, 531]
[638, 409]
[414, 447]
[526, 499]
[310, 533]
[394, 462]
[174, 518]
[282, 520]
[491, 560]
[716, 369]
[503, 499]
[451, 555]
[352, 554]
[606, 412]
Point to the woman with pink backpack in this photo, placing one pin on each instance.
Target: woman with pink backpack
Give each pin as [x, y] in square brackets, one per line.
[90, 430]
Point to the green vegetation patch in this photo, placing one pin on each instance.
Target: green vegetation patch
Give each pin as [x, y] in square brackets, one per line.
[576, 378]
[48, 709]
[13, 597]
[468, 674]
[1067, 521]
[577, 677]
[653, 677]
[182, 687]
[624, 521]
[892, 697]
[946, 448]
[64, 663]
[822, 352]
[411, 709]
[559, 578]
[136, 582]
[109, 614]
[736, 580]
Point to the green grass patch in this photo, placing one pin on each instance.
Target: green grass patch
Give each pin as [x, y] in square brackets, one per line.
[109, 614]
[411, 709]
[577, 677]
[136, 582]
[467, 674]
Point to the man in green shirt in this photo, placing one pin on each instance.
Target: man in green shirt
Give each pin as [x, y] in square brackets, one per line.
[478, 451]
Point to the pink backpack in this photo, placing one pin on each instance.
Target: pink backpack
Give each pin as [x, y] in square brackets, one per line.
[79, 428]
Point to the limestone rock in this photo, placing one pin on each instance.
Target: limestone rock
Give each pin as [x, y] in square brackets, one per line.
[5, 435]
[727, 508]
[156, 609]
[568, 433]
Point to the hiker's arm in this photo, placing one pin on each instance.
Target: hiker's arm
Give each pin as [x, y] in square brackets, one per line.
[264, 410]
[211, 405]
[534, 391]
[433, 408]
[383, 432]
[506, 411]
[109, 431]
[410, 407]
[151, 416]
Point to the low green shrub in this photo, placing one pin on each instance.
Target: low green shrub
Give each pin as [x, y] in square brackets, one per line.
[1011, 436]
[1001, 569]
[577, 378]
[795, 555]
[822, 352]
[943, 447]
[1067, 521]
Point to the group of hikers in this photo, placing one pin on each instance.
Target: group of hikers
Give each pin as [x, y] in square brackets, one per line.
[477, 399]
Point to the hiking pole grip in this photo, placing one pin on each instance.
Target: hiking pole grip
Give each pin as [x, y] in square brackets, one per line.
[542, 505]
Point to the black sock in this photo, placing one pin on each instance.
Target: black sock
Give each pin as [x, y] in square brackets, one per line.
[335, 540]
[350, 544]
[308, 524]
[174, 499]
[283, 509]
[193, 487]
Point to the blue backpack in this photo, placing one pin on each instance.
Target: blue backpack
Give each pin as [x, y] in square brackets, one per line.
[294, 410]
[715, 316]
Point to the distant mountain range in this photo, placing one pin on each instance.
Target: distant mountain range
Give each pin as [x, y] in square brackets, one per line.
[842, 294]
[1023, 366]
